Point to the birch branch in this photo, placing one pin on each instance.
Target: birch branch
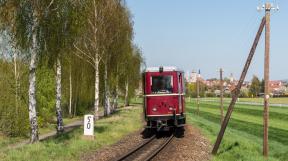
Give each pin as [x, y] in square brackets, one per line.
[85, 54]
[81, 57]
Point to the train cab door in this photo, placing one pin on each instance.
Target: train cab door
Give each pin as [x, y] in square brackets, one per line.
[180, 92]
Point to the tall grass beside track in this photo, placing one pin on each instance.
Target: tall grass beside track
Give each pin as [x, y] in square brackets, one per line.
[243, 136]
[71, 146]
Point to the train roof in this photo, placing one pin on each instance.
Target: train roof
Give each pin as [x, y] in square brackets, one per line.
[165, 69]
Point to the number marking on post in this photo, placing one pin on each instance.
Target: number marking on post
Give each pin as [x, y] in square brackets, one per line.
[89, 125]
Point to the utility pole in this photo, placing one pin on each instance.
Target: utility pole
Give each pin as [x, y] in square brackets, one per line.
[266, 80]
[221, 95]
[236, 92]
[268, 7]
[198, 89]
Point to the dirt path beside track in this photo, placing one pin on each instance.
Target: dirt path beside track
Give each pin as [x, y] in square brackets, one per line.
[67, 128]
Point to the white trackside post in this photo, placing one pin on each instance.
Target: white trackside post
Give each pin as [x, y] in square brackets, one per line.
[89, 125]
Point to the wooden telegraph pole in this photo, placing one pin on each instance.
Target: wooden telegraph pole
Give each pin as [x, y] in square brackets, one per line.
[265, 23]
[221, 95]
[198, 90]
[266, 80]
[236, 92]
[268, 7]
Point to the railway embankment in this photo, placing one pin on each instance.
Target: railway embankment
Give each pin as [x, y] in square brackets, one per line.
[193, 146]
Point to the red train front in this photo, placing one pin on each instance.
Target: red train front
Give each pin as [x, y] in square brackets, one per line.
[164, 97]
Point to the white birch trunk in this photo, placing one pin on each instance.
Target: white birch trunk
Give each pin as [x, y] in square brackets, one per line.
[16, 81]
[115, 99]
[107, 105]
[127, 92]
[96, 101]
[32, 86]
[60, 127]
[70, 91]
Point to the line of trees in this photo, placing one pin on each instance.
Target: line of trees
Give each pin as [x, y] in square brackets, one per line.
[253, 90]
[256, 87]
[69, 56]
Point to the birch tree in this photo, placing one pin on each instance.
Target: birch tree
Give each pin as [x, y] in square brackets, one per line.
[70, 90]
[131, 74]
[110, 34]
[25, 20]
[60, 127]
[88, 47]
[55, 43]
[118, 37]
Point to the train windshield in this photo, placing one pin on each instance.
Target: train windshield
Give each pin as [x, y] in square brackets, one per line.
[162, 84]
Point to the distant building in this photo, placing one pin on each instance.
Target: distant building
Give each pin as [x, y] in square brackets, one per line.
[231, 78]
[192, 78]
[277, 87]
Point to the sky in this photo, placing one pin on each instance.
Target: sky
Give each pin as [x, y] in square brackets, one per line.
[207, 35]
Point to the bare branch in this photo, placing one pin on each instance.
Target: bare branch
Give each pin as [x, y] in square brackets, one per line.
[91, 24]
[52, 1]
[81, 57]
[85, 54]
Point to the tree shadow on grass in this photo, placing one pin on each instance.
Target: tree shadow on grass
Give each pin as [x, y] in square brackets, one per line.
[72, 133]
[236, 144]
[100, 129]
[252, 112]
[117, 111]
[275, 134]
[67, 135]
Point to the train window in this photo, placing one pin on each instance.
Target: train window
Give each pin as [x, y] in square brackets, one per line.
[162, 84]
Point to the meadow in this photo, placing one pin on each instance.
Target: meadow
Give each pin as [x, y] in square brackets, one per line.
[242, 139]
[71, 146]
[275, 100]
[243, 136]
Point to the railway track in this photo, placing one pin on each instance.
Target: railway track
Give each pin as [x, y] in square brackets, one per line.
[147, 150]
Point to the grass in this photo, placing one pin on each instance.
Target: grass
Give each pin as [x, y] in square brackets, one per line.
[52, 127]
[276, 100]
[243, 136]
[5, 140]
[71, 146]
[242, 139]
[280, 100]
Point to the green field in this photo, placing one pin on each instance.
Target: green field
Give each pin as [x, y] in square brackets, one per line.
[242, 140]
[71, 146]
[278, 100]
[243, 137]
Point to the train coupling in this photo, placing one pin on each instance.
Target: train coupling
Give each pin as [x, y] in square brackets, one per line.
[161, 124]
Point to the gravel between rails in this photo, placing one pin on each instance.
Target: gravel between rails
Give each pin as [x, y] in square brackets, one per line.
[121, 147]
[192, 147]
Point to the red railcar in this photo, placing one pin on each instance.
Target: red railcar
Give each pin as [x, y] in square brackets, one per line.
[164, 104]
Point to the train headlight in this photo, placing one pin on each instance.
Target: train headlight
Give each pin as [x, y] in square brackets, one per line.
[171, 108]
[154, 109]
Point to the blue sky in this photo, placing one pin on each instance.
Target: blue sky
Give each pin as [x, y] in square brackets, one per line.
[208, 35]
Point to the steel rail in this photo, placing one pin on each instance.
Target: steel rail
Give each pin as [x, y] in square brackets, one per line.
[158, 150]
[123, 157]
[151, 155]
